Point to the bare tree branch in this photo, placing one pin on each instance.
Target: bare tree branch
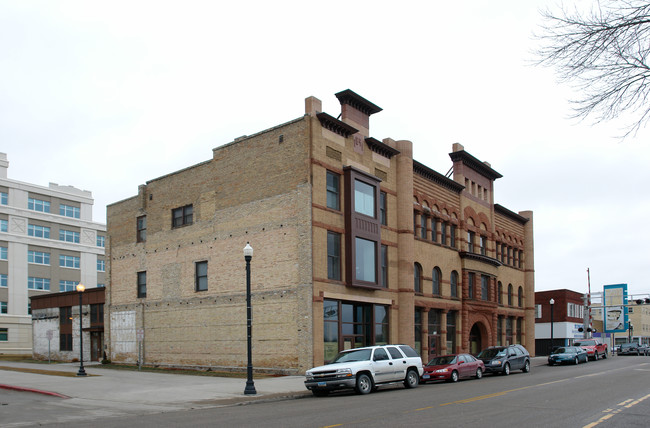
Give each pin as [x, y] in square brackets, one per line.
[603, 53]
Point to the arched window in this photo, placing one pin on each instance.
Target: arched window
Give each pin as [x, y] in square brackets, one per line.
[417, 278]
[500, 293]
[520, 297]
[509, 294]
[453, 279]
[436, 277]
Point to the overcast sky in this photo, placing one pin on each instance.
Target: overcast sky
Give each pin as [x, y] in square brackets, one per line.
[107, 95]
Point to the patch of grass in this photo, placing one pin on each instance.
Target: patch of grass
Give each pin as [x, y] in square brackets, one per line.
[22, 359]
[40, 371]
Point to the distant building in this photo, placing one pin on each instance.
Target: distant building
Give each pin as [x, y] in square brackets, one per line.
[48, 243]
[355, 243]
[569, 313]
[638, 319]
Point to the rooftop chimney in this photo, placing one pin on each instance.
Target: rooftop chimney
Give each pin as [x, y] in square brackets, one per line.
[356, 111]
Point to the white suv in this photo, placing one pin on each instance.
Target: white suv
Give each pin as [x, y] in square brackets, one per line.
[362, 369]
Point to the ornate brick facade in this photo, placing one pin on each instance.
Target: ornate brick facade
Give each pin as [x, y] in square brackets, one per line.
[308, 195]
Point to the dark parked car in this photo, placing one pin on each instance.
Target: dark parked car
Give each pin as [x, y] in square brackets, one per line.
[634, 348]
[568, 354]
[453, 367]
[503, 359]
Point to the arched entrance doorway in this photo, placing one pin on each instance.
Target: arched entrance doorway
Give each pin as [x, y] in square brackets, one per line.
[476, 339]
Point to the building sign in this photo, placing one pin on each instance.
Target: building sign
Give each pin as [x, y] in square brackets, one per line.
[615, 311]
[577, 334]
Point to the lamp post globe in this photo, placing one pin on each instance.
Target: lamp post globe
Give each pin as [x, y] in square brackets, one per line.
[250, 385]
[81, 372]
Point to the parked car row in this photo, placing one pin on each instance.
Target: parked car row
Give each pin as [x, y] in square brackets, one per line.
[363, 369]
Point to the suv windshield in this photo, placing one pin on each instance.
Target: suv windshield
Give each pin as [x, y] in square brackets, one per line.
[492, 352]
[585, 343]
[354, 355]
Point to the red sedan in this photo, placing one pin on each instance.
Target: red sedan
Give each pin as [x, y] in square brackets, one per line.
[453, 367]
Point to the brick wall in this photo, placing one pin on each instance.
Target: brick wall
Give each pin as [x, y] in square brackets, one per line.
[253, 190]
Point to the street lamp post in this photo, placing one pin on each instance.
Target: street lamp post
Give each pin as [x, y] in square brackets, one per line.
[81, 372]
[630, 330]
[552, 302]
[250, 385]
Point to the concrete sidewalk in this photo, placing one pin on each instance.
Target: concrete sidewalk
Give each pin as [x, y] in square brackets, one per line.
[147, 390]
[134, 388]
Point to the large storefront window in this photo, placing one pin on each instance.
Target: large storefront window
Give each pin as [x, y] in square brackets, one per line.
[349, 325]
[381, 325]
[434, 332]
[417, 330]
[451, 332]
[331, 329]
[509, 331]
[499, 330]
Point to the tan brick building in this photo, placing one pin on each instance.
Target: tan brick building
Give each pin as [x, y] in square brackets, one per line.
[355, 243]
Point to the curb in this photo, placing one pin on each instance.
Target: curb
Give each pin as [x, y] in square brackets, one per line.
[37, 391]
[254, 399]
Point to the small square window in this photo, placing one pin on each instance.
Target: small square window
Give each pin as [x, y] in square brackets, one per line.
[182, 216]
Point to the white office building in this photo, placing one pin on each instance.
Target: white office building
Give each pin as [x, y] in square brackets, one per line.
[48, 243]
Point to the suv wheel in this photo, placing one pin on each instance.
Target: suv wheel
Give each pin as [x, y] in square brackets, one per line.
[506, 369]
[364, 384]
[412, 379]
[526, 368]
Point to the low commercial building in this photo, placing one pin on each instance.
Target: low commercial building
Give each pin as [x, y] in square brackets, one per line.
[355, 243]
[48, 243]
[56, 325]
[563, 311]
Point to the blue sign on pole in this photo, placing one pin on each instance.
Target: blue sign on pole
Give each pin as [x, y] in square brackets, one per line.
[614, 308]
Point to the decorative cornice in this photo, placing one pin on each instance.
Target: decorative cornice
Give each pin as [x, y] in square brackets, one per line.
[479, 258]
[335, 125]
[506, 212]
[381, 148]
[358, 102]
[475, 164]
[436, 177]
